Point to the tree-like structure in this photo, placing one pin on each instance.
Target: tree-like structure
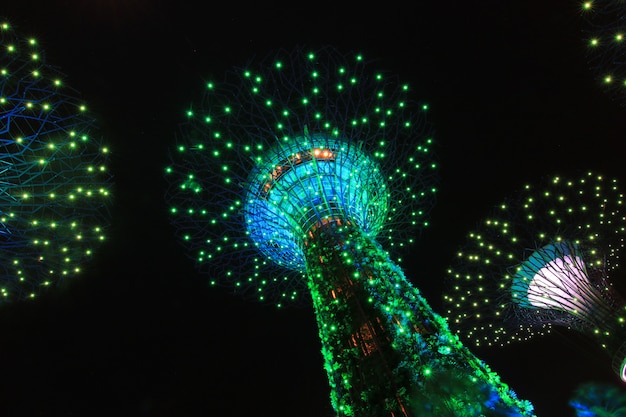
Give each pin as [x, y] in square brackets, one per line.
[298, 181]
[544, 257]
[54, 185]
[605, 36]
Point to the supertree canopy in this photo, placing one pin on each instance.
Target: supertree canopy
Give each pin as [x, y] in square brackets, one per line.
[290, 145]
[54, 186]
[606, 44]
[545, 257]
[298, 182]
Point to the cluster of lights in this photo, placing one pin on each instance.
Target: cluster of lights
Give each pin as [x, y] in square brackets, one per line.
[543, 259]
[268, 155]
[54, 183]
[606, 42]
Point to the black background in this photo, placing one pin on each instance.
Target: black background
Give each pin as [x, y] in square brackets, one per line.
[139, 333]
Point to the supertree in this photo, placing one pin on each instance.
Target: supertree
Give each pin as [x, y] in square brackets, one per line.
[545, 257]
[606, 44]
[54, 185]
[298, 181]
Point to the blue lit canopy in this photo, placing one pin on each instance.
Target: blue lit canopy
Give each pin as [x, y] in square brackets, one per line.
[285, 144]
[321, 178]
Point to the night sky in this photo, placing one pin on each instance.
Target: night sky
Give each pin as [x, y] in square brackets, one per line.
[140, 332]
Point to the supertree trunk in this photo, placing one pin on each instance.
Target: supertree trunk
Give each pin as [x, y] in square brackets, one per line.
[385, 350]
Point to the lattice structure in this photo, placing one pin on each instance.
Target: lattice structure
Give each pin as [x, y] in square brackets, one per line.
[544, 258]
[54, 184]
[304, 180]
